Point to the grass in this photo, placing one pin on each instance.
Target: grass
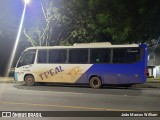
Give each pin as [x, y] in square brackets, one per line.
[153, 80]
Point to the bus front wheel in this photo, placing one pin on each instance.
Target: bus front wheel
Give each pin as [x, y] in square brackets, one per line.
[29, 80]
[95, 82]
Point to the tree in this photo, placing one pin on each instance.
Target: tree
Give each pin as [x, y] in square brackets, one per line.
[55, 28]
[116, 21]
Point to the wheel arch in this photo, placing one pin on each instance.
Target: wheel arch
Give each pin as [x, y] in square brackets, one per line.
[95, 75]
[27, 75]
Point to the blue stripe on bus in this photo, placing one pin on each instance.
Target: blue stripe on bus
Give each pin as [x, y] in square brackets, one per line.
[115, 73]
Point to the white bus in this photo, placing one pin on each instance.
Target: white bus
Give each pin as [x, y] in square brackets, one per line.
[95, 64]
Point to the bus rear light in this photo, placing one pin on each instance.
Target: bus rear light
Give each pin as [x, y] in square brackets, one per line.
[146, 72]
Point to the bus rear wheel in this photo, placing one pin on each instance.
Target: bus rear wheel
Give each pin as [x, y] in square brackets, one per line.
[29, 80]
[95, 82]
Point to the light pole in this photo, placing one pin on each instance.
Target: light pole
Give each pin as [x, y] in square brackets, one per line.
[27, 1]
[17, 39]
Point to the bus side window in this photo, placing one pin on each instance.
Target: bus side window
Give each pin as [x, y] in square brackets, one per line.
[126, 55]
[100, 55]
[57, 56]
[42, 56]
[78, 56]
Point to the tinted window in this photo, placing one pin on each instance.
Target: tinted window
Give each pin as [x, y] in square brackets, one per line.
[78, 56]
[27, 58]
[100, 55]
[42, 56]
[57, 56]
[126, 55]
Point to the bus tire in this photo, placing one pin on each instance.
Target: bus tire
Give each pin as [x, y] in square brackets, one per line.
[95, 82]
[29, 80]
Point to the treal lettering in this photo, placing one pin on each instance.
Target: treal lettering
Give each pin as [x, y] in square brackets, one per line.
[51, 72]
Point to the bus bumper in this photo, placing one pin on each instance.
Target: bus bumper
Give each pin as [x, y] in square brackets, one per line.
[16, 76]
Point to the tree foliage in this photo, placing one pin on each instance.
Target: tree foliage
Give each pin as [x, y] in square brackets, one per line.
[116, 21]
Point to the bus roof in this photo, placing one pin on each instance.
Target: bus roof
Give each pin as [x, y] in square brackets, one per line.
[87, 45]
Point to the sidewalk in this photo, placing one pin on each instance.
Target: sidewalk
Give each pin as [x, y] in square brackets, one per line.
[7, 80]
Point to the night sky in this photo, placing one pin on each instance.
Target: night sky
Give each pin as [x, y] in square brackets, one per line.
[10, 16]
[11, 11]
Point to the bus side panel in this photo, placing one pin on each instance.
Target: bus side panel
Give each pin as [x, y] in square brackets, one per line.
[60, 73]
[116, 73]
[80, 73]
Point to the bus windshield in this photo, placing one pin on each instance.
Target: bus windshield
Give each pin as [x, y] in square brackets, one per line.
[27, 58]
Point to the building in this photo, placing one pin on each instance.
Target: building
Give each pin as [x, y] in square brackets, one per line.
[154, 61]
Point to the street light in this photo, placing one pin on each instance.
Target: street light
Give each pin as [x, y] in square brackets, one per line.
[27, 1]
[17, 39]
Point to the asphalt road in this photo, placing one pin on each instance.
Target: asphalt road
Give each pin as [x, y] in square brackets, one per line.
[18, 97]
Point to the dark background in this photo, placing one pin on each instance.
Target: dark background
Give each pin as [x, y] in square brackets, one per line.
[10, 16]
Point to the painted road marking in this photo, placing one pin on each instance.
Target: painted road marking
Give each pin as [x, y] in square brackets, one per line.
[64, 106]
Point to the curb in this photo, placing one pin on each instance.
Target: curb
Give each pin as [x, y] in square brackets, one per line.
[148, 84]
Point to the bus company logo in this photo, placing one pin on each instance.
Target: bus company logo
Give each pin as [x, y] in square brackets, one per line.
[51, 72]
[6, 114]
[73, 72]
[26, 67]
[132, 51]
